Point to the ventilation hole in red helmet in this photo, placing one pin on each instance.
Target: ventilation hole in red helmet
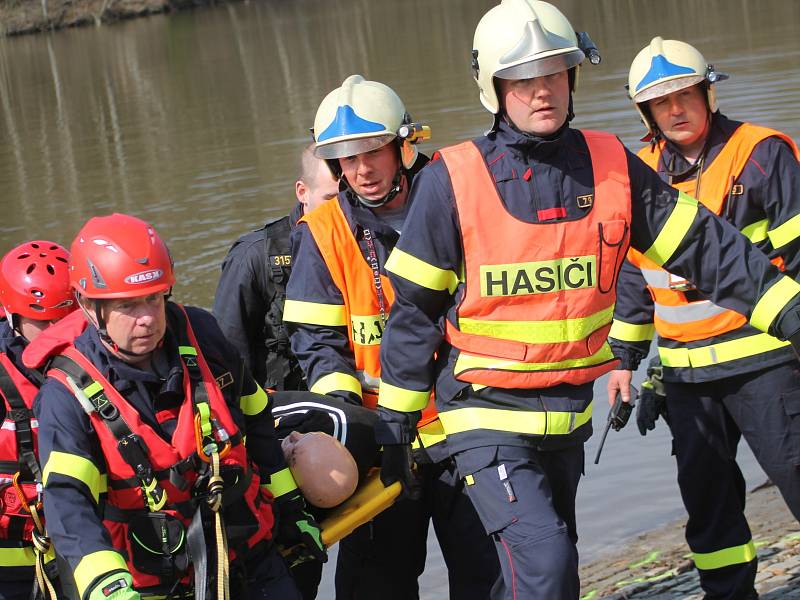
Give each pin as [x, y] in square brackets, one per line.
[35, 246]
[36, 307]
[61, 258]
[51, 270]
[53, 247]
[42, 254]
[37, 293]
[30, 268]
[23, 255]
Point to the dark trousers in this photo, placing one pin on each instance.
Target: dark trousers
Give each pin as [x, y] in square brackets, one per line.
[707, 421]
[268, 578]
[385, 558]
[15, 590]
[525, 499]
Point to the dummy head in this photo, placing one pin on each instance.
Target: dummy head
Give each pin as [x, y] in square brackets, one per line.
[324, 470]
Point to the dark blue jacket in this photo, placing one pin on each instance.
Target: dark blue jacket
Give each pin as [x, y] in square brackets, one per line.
[533, 175]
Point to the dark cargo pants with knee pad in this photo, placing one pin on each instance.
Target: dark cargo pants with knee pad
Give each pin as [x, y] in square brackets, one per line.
[525, 499]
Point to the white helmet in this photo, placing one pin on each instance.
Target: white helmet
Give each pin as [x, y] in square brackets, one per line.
[521, 39]
[666, 66]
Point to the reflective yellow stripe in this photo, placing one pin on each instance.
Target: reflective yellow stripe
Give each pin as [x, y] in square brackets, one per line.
[76, 467]
[466, 362]
[773, 302]
[714, 354]
[401, 399]
[336, 382]
[314, 313]
[785, 233]
[725, 557]
[674, 230]
[92, 389]
[422, 273]
[630, 332]
[187, 351]
[366, 330]
[253, 404]
[513, 421]
[430, 434]
[469, 480]
[539, 332]
[95, 565]
[756, 232]
[281, 482]
[17, 557]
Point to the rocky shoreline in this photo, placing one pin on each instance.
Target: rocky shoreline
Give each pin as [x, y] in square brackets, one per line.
[656, 566]
[31, 16]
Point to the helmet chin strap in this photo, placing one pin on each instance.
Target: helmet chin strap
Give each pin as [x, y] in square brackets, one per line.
[397, 187]
[14, 322]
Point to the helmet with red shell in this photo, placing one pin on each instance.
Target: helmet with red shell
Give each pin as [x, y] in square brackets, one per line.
[119, 256]
[34, 281]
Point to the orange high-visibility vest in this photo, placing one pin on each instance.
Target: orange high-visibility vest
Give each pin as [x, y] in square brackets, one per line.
[355, 279]
[676, 317]
[538, 298]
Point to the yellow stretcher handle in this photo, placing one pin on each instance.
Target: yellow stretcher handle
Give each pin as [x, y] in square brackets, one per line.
[370, 499]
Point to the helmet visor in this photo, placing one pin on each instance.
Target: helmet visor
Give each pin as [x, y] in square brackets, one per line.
[542, 66]
[351, 147]
[667, 87]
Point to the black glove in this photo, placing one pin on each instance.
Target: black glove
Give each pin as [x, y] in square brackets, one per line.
[652, 401]
[298, 532]
[395, 431]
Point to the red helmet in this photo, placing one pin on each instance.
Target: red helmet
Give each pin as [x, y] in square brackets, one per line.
[34, 281]
[119, 256]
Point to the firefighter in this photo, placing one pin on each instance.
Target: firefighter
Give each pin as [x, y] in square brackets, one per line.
[248, 303]
[34, 292]
[143, 420]
[505, 288]
[338, 300]
[721, 378]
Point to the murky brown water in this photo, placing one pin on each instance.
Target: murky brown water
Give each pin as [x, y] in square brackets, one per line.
[193, 121]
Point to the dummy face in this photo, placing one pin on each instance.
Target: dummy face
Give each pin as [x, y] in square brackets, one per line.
[136, 325]
[324, 470]
[31, 328]
[370, 174]
[683, 118]
[538, 105]
[321, 187]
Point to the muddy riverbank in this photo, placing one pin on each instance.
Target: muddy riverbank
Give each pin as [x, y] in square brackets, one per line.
[656, 565]
[19, 17]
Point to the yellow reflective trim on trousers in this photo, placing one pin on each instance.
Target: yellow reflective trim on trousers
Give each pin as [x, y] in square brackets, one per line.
[422, 273]
[538, 332]
[773, 302]
[17, 557]
[336, 382]
[785, 233]
[735, 555]
[674, 230]
[253, 404]
[95, 565]
[513, 421]
[715, 354]
[430, 435]
[465, 362]
[76, 467]
[315, 313]
[281, 482]
[630, 332]
[756, 232]
[401, 399]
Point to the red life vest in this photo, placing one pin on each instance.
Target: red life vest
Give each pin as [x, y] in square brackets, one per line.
[356, 282]
[18, 459]
[538, 298]
[677, 317]
[174, 463]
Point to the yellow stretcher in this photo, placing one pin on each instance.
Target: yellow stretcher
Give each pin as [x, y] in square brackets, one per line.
[370, 499]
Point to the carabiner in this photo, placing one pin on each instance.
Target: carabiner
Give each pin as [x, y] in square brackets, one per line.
[21, 495]
[205, 450]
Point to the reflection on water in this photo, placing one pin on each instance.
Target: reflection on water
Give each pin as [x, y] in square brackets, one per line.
[194, 121]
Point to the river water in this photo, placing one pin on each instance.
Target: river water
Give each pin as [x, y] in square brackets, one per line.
[194, 121]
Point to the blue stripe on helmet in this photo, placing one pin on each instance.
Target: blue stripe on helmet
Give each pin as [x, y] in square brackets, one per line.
[347, 122]
[661, 68]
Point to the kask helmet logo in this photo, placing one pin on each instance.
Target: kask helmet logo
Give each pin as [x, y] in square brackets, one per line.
[144, 276]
